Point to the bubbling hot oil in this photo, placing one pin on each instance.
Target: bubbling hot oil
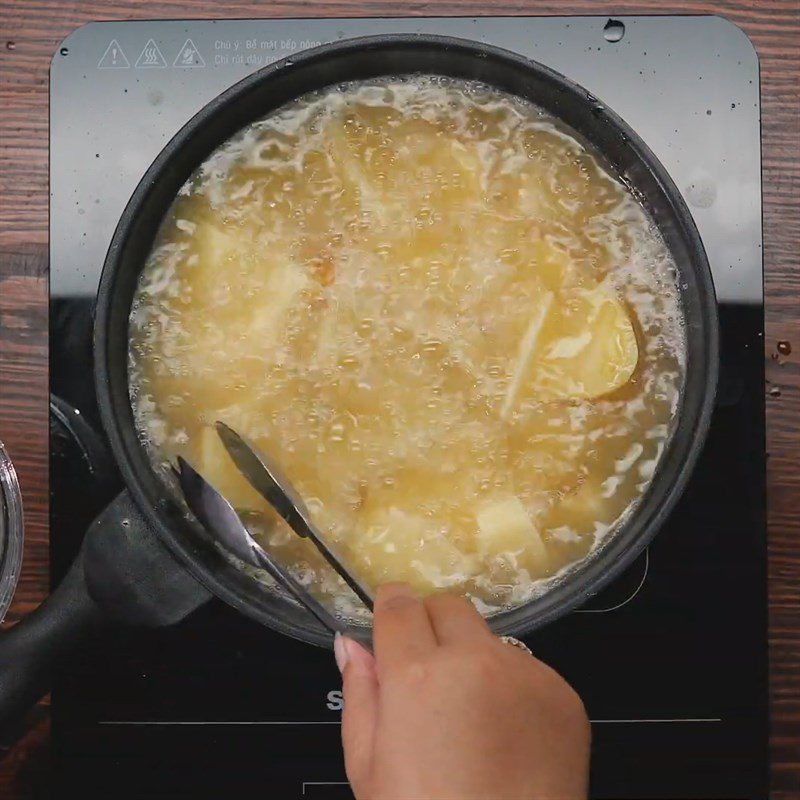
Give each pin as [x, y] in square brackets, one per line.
[457, 333]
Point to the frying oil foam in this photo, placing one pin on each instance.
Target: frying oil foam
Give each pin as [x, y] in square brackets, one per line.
[347, 282]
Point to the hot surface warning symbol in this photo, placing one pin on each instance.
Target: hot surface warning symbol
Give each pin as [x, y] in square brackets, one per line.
[151, 56]
[113, 58]
[189, 56]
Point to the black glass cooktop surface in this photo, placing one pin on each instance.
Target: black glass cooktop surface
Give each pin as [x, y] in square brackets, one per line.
[670, 659]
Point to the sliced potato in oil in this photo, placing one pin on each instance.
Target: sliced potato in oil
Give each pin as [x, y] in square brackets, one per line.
[394, 545]
[587, 349]
[584, 348]
[216, 466]
[505, 528]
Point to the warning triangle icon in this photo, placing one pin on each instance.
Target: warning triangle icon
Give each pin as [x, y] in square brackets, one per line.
[150, 56]
[114, 57]
[189, 56]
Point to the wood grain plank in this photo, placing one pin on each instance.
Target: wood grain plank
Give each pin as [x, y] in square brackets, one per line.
[30, 31]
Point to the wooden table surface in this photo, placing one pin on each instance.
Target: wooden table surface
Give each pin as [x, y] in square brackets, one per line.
[30, 31]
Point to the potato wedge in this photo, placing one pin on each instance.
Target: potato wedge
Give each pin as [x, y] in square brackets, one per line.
[584, 348]
[589, 348]
[285, 282]
[504, 527]
[527, 352]
[394, 545]
[216, 466]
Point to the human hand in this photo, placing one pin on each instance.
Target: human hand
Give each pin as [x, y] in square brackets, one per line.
[446, 711]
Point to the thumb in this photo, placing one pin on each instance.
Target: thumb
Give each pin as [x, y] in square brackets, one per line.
[360, 691]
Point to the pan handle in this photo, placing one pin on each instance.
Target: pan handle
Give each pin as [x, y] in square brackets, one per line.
[32, 648]
[122, 574]
[131, 575]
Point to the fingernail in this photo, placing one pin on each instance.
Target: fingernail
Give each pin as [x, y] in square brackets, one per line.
[340, 652]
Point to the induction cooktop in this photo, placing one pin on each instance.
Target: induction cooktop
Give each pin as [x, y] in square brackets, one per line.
[671, 659]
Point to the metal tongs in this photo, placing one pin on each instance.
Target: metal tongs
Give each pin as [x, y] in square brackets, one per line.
[219, 517]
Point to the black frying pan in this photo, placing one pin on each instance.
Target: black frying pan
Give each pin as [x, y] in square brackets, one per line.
[143, 561]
